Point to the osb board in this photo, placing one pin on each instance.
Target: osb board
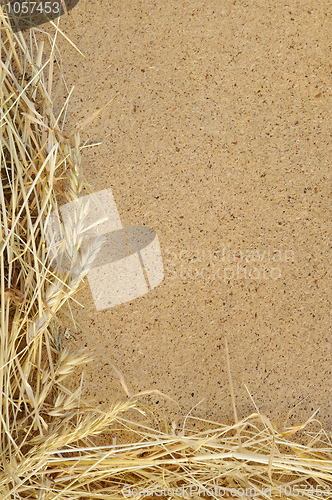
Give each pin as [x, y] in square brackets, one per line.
[219, 139]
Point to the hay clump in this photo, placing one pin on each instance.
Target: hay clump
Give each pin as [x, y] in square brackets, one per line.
[46, 431]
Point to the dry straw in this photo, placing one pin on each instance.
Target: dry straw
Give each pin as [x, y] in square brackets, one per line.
[47, 431]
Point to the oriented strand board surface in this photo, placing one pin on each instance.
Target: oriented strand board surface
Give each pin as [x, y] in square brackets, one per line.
[219, 139]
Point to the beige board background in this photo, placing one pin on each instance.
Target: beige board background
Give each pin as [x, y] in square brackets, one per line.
[219, 138]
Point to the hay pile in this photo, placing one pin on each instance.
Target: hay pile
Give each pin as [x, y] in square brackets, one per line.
[47, 431]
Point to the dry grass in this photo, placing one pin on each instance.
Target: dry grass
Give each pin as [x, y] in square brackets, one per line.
[46, 431]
